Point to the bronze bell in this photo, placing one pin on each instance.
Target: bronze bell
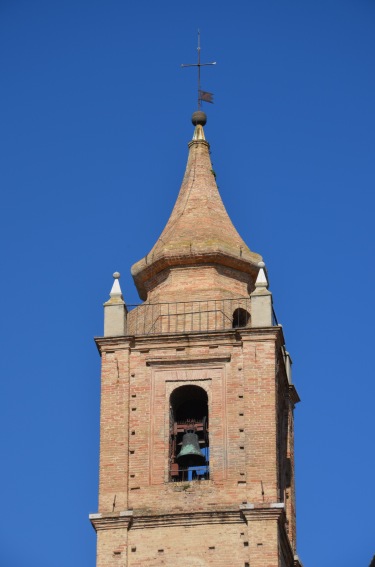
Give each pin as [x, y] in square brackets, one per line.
[190, 454]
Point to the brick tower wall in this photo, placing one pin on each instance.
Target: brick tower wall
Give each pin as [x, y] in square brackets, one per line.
[202, 520]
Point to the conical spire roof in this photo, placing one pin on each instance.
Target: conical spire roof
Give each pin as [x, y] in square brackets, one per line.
[199, 229]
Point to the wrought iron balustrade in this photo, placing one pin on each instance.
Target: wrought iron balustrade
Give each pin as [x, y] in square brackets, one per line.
[201, 472]
[188, 316]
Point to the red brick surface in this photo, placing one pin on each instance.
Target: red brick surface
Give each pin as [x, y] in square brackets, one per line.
[199, 229]
[244, 515]
[237, 369]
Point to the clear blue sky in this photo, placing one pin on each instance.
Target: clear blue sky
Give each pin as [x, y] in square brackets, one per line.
[94, 124]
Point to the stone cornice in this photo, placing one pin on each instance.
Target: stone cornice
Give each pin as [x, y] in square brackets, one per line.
[205, 359]
[255, 512]
[127, 519]
[187, 519]
[262, 333]
[227, 336]
[111, 521]
[143, 272]
[113, 343]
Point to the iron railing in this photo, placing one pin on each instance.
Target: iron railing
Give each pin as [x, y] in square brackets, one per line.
[192, 473]
[188, 316]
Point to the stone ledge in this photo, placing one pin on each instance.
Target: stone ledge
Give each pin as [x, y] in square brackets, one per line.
[113, 343]
[177, 360]
[262, 333]
[120, 520]
[127, 519]
[137, 342]
[247, 512]
[222, 337]
[141, 271]
[187, 519]
[269, 510]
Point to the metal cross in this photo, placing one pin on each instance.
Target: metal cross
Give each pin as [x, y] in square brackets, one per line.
[202, 95]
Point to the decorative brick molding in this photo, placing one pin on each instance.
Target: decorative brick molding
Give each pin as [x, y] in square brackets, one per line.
[180, 361]
[188, 519]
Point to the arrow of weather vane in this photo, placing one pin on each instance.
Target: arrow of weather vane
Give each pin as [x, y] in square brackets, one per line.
[203, 96]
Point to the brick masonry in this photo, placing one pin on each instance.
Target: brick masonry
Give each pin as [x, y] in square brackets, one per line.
[243, 374]
[244, 514]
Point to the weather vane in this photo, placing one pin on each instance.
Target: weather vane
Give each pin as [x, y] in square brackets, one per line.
[202, 95]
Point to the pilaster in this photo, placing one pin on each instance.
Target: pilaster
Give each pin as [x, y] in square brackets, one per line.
[114, 425]
[260, 417]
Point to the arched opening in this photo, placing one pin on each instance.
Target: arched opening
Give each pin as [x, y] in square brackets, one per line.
[189, 440]
[241, 318]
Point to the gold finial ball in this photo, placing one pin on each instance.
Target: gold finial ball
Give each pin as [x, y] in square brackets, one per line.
[199, 117]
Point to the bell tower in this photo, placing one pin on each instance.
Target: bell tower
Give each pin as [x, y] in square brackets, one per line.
[197, 400]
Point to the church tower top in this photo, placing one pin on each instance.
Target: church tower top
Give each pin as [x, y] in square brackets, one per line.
[199, 230]
[197, 400]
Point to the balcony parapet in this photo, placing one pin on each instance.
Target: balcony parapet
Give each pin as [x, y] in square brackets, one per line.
[188, 316]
